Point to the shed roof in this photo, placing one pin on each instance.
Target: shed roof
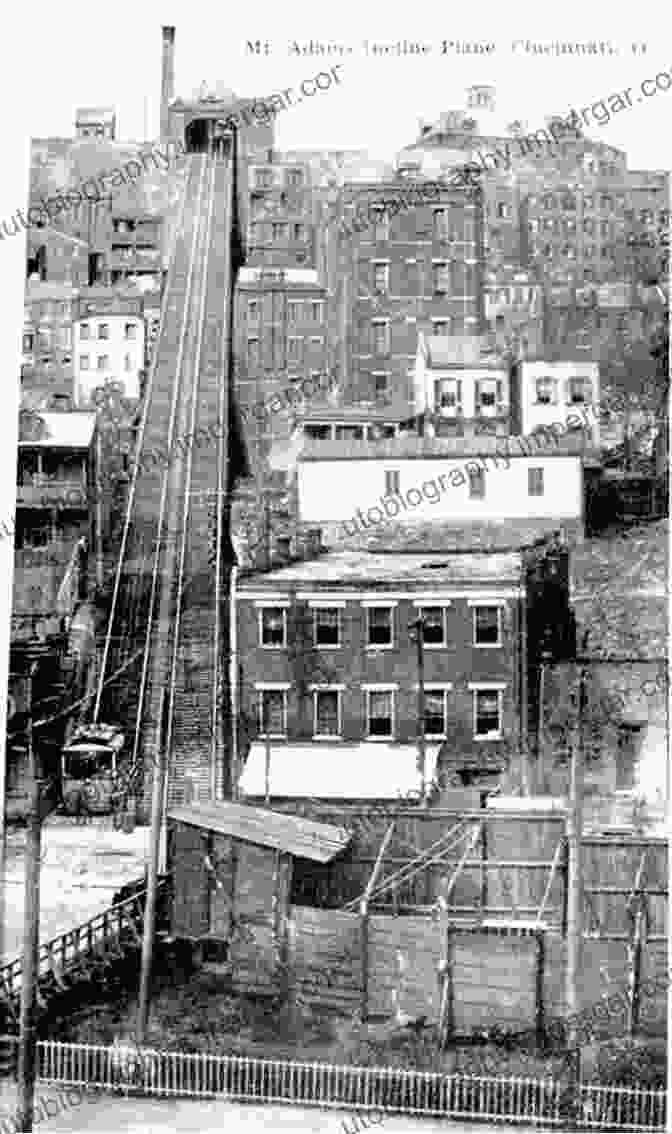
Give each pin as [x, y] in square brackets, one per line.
[319, 842]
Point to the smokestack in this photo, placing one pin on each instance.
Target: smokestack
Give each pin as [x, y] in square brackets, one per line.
[167, 77]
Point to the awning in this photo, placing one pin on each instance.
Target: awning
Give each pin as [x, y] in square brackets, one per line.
[329, 770]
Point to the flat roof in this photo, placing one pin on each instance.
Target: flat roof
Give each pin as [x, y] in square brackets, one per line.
[67, 430]
[569, 444]
[425, 572]
[303, 838]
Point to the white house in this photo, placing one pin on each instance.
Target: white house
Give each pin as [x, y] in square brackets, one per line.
[551, 391]
[457, 379]
[349, 488]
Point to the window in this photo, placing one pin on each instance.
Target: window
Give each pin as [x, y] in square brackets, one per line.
[295, 178]
[604, 228]
[381, 383]
[486, 396]
[435, 712]
[130, 331]
[380, 712]
[392, 482]
[280, 231]
[441, 276]
[381, 227]
[326, 712]
[546, 391]
[273, 627]
[487, 714]
[379, 628]
[83, 362]
[316, 312]
[535, 482]
[448, 396]
[28, 340]
[253, 310]
[380, 331]
[84, 331]
[103, 330]
[298, 232]
[502, 210]
[605, 202]
[433, 625]
[441, 326]
[477, 483]
[263, 178]
[294, 347]
[103, 361]
[272, 712]
[441, 229]
[381, 273]
[487, 626]
[293, 311]
[253, 356]
[578, 390]
[327, 626]
[549, 202]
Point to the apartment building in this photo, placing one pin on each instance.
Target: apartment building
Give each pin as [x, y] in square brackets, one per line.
[328, 677]
[108, 343]
[282, 229]
[280, 329]
[401, 269]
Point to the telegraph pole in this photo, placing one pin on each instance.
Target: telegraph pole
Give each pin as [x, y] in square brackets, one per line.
[31, 930]
[574, 881]
[152, 875]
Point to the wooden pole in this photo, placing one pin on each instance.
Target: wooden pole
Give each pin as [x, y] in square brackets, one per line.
[152, 876]
[574, 882]
[31, 934]
[422, 762]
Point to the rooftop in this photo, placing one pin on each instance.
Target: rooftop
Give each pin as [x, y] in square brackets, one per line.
[303, 838]
[461, 350]
[414, 448]
[343, 568]
[70, 430]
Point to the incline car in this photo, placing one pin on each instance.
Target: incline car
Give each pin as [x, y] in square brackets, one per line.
[90, 767]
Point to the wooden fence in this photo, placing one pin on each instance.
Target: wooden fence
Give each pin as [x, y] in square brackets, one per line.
[383, 1089]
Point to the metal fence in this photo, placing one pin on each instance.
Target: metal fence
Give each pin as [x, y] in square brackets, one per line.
[389, 1090]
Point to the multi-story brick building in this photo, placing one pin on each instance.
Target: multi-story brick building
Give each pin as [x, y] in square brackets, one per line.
[282, 228]
[329, 662]
[408, 269]
[109, 342]
[134, 248]
[47, 345]
[280, 337]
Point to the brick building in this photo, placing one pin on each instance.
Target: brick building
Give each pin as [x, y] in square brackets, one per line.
[282, 228]
[280, 336]
[328, 664]
[407, 270]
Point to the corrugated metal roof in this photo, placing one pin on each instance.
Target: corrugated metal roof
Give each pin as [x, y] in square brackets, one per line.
[319, 842]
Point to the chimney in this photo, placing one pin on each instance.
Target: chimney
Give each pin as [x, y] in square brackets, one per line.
[167, 77]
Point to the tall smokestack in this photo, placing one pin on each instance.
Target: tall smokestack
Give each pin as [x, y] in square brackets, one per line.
[167, 77]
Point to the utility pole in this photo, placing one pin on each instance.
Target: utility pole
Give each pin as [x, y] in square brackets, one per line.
[418, 627]
[31, 931]
[152, 875]
[574, 880]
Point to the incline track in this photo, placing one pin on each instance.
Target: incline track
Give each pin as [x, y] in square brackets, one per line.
[174, 529]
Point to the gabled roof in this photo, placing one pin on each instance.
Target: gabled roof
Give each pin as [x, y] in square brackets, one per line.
[303, 838]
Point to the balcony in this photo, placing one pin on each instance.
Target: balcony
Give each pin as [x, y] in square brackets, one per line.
[44, 492]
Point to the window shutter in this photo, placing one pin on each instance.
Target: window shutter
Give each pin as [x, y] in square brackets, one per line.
[477, 395]
[459, 395]
[500, 394]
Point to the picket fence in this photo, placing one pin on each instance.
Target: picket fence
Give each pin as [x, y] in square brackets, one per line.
[386, 1090]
